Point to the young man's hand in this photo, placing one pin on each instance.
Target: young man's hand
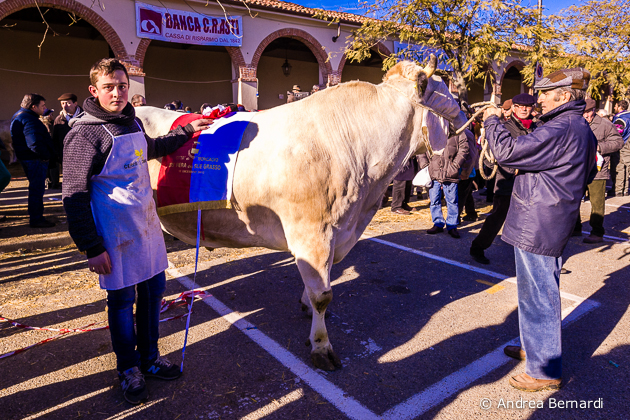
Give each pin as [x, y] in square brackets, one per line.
[201, 124]
[101, 264]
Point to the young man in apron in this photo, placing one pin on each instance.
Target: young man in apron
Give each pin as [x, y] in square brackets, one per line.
[112, 219]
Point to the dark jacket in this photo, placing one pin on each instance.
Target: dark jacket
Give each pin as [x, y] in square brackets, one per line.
[472, 157]
[609, 141]
[85, 151]
[408, 171]
[555, 163]
[60, 129]
[31, 139]
[504, 181]
[446, 167]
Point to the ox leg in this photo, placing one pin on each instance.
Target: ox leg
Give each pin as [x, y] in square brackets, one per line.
[318, 293]
[306, 303]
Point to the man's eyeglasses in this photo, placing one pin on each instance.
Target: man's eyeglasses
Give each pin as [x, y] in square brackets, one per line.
[522, 106]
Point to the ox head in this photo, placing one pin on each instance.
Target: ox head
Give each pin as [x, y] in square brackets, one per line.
[430, 92]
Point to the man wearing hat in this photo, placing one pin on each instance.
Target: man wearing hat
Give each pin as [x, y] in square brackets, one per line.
[555, 163]
[609, 141]
[506, 110]
[295, 94]
[69, 110]
[518, 124]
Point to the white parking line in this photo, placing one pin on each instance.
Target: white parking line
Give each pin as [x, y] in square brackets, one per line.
[417, 404]
[347, 405]
[489, 273]
[440, 391]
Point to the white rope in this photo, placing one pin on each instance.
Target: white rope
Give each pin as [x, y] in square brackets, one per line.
[485, 150]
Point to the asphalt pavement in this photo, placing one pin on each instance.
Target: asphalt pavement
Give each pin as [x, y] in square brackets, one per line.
[418, 325]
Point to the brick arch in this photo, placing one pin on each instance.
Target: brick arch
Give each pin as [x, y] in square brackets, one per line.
[514, 63]
[379, 48]
[235, 54]
[111, 37]
[303, 36]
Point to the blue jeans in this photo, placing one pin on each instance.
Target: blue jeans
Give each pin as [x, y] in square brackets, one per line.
[539, 313]
[452, 209]
[36, 174]
[131, 348]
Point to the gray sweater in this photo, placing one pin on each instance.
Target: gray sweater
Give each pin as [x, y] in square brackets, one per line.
[85, 151]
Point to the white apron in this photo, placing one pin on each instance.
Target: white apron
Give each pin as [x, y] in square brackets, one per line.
[125, 215]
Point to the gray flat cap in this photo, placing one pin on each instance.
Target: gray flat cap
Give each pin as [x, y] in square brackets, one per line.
[576, 78]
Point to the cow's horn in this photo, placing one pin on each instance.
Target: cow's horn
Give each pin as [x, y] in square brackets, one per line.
[430, 68]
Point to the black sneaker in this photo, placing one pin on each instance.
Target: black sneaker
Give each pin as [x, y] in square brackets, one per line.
[133, 386]
[161, 368]
[478, 255]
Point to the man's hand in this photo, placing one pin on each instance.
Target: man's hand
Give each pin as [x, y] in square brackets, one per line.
[101, 264]
[201, 124]
[491, 111]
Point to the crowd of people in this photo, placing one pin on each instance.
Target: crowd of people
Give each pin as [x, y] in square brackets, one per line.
[547, 160]
[454, 176]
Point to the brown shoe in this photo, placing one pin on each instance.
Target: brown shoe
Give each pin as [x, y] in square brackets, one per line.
[593, 239]
[524, 382]
[454, 233]
[401, 211]
[515, 352]
[435, 229]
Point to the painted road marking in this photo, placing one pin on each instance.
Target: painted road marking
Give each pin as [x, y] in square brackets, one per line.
[493, 287]
[478, 270]
[440, 391]
[417, 404]
[333, 394]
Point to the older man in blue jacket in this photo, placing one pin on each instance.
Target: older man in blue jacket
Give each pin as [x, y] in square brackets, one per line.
[555, 163]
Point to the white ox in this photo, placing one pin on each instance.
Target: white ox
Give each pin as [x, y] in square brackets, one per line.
[310, 175]
[5, 138]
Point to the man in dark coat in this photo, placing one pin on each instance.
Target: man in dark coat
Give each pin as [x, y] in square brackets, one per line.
[33, 147]
[445, 170]
[555, 163]
[401, 189]
[69, 110]
[619, 165]
[609, 141]
[518, 124]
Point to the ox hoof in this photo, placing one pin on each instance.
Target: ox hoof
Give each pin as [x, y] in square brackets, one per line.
[328, 362]
[305, 307]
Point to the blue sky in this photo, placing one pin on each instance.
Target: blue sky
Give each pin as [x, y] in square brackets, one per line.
[551, 6]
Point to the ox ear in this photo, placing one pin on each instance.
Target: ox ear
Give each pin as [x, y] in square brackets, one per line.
[425, 74]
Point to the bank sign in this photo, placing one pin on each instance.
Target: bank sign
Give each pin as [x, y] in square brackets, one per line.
[173, 25]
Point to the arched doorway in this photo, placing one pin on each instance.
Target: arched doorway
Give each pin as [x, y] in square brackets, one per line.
[368, 70]
[273, 82]
[512, 84]
[62, 66]
[480, 89]
[193, 74]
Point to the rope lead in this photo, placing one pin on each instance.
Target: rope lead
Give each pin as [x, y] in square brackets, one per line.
[485, 151]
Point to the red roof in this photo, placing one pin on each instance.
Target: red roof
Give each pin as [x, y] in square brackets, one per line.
[299, 10]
